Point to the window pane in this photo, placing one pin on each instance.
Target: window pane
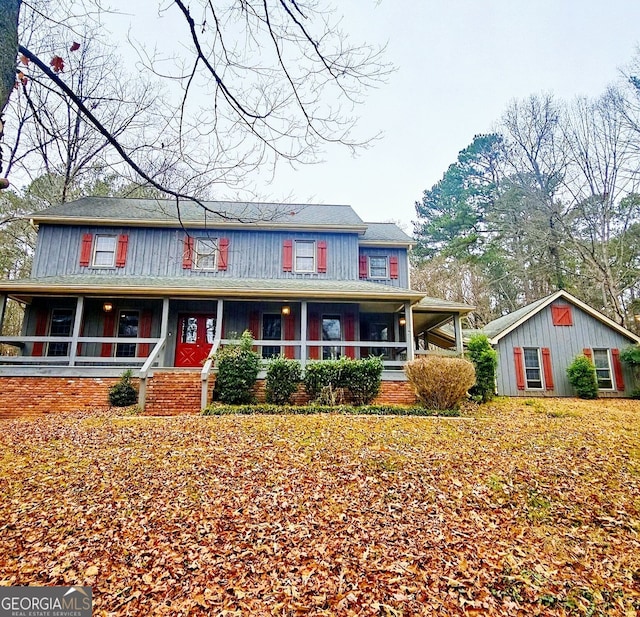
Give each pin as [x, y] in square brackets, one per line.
[271, 331]
[378, 268]
[331, 331]
[305, 256]
[61, 322]
[205, 253]
[127, 327]
[532, 368]
[105, 251]
[603, 369]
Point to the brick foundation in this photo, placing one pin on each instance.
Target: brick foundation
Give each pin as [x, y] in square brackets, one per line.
[168, 393]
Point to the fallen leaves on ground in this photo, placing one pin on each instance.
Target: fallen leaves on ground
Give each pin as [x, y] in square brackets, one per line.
[526, 508]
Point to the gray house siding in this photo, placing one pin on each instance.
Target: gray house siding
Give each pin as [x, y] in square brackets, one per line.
[159, 252]
[564, 344]
[400, 254]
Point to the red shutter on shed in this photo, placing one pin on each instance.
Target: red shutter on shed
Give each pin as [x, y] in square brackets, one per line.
[350, 334]
[223, 253]
[617, 369]
[322, 256]
[145, 332]
[393, 267]
[108, 329]
[289, 335]
[42, 321]
[364, 267]
[187, 253]
[314, 335]
[85, 249]
[121, 253]
[546, 366]
[587, 353]
[519, 364]
[561, 315]
[287, 256]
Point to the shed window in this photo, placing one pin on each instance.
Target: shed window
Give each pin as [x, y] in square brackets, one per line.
[532, 371]
[205, 254]
[104, 253]
[602, 362]
[305, 256]
[378, 268]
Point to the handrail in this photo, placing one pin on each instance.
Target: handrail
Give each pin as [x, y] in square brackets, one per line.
[144, 370]
[204, 373]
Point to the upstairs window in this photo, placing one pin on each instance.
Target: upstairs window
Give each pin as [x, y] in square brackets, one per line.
[205, 254]
[305, 256]
[378, 268]
[104, 252]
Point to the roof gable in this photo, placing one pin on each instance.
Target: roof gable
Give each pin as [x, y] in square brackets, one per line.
[499, 328]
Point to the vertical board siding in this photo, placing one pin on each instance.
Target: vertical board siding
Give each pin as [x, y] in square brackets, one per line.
[564, 343]
[400, 254]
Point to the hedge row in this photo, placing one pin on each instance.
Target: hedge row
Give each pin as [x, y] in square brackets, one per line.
[370, 410]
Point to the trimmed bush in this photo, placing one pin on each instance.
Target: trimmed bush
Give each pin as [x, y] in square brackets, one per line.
[328, 381]
[582, 376]
[631, 357]
[123, 394]
[440, 382]
[485, 361]
[283, 377]
[238, 368]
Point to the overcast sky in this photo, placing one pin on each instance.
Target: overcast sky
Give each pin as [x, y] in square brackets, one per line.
[459, 63]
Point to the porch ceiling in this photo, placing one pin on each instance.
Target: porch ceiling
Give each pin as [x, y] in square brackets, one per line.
[199, 286]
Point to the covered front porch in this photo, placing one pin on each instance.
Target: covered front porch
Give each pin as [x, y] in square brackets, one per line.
[92, 333]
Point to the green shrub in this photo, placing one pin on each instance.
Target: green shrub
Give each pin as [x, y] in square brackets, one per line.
[582, 376]
[283, 377]
[485, 361]
[440, 382]
[238, 368]
[381, 410]
[123, 394]
[631, 357]
[328, 381]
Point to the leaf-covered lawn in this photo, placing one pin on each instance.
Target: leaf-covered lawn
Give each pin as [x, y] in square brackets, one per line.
[522, 509]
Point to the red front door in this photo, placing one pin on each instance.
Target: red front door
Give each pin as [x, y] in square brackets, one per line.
[195, 337]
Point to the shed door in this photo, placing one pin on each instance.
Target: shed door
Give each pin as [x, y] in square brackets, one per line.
[195, 338]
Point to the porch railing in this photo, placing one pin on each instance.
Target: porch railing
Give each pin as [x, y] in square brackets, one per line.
[154, 356]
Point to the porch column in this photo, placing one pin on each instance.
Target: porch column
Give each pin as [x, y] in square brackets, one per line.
[408, 314]
[77, 322]
[457, 328]
[164, 328]
[3, 308]
[303, 333]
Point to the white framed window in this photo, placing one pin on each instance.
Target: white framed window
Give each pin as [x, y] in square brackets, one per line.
[205, 254]
[533, 368]
[378, 267]
[305, 256]
[104, 251]
[602, 362]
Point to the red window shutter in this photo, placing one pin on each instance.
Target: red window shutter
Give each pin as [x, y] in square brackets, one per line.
[587, 353]
[350, 334]
[289, 335]
[519, 364]
[108, 329]
[223, 253]
[393, 267]
[85, 249]
[546, 366]
[42, 321]
[561, 315]
[314, 335]
[187, 253]
[322, 256]
[121, 254]
[617, 369]
[254, 326]
[364, 267]
[145, 332]
[287, 256]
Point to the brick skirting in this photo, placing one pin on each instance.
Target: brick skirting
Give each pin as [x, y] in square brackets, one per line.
[168, 393]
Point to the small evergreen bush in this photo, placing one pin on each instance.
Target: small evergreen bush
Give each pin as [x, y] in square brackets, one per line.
[485, 361]
[123, 394]
[582, 376]
[322, 374]
[283, 377]
[440, 382]
[364, 379]
[238, 368]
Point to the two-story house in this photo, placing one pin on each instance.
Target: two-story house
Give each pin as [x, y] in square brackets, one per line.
[145, 284]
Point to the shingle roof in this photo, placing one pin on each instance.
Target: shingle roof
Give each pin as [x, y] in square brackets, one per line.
[495, 327]
[107, 210]
[205, 285]
[385, 232]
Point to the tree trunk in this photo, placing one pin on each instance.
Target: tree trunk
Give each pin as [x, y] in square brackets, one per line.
[9, 11]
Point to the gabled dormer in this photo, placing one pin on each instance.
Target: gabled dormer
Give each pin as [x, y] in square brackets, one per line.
[383, 255]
